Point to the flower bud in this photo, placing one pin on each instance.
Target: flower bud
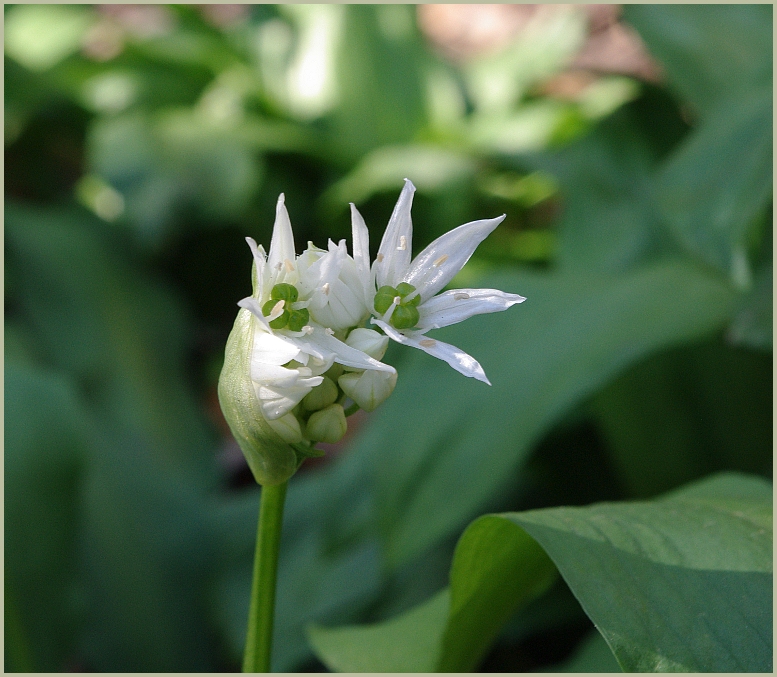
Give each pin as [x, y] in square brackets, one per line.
[271, 459]
[368, 388]
[327, 425]
[321, 396]
[287, 427]
[368, 341]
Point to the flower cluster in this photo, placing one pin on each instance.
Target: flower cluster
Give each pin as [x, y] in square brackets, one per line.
[311, 336]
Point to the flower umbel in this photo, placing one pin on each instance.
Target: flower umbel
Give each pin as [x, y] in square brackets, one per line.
[403, 294]
[289, 344]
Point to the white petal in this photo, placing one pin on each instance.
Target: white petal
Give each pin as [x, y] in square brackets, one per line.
[282, 243]
[260, 261]
[457, 358]
[274, 375]
[436, 265]
[457, 305]
[361, 253]
[395, 248]
[271, 348]
[344, 354]
[252, 305]
[277, 402]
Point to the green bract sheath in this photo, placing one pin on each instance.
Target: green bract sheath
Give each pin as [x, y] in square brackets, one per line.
[271, 460]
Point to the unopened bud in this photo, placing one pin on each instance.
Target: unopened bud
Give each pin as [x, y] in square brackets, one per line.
[287, 427]
[321, 396]
[368, 388]
[328, 425]
[368, 341]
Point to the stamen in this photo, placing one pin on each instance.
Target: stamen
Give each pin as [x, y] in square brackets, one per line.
[428, 343]
[379, 258]
[402, 243]
[329, 331]
[461, 296]
[277, 311]
[289, 265]
[278, 265]
[441, 260]
[325, 288]
[307, 329]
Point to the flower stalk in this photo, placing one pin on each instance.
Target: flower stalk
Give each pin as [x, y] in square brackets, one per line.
[262, 610]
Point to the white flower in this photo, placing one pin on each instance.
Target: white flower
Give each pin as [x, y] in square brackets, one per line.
[401, 292]
[330, 280]
[287, 361]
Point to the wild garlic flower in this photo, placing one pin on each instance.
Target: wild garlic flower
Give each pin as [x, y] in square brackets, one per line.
[403, 294]
[284, 354]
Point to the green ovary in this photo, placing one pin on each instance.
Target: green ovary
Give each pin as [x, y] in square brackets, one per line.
[405, 315]
[290, 319]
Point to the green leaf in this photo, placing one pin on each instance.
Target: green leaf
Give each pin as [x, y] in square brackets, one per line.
[380, 92]
[496, 569]
[117, 332]
[714, 406]
[709, 51]
[48, 436]
[683, 583]
[572, 335]
[715, 185]
[408, 643]
[609, 222]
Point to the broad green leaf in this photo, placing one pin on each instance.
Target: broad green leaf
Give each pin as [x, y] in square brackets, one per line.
[720, 179]
[48, 437]
[380, 90]
[570, 337]
[709, 51]
[714, 406]
[609, 222]
[407, 643]
[496, 569]
[683, 583]
[115, 330]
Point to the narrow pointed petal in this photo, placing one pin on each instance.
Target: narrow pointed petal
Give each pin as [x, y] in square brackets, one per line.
[396, 246]
[455, 357]
[255, 308]
[436, 265]
[361, 252]
[260, 261]
[457, 305]
[282, 243]
[344, 354]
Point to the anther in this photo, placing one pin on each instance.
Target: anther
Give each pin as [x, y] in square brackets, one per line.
[461, 296]
[428, 343]
[289, 265]
[329, 331]
[402, 243]
[441, 260]
[325, 288]
[379, 258]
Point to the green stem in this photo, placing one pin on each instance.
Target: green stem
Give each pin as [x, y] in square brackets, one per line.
[260, 615]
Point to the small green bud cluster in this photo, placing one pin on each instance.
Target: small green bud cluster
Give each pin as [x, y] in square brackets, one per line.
[289, 318]
[323, 416]
[405, 315]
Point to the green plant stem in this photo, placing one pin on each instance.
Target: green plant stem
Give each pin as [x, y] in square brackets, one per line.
[262, 611]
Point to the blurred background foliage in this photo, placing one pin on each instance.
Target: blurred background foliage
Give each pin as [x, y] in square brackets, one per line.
[632, 153]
